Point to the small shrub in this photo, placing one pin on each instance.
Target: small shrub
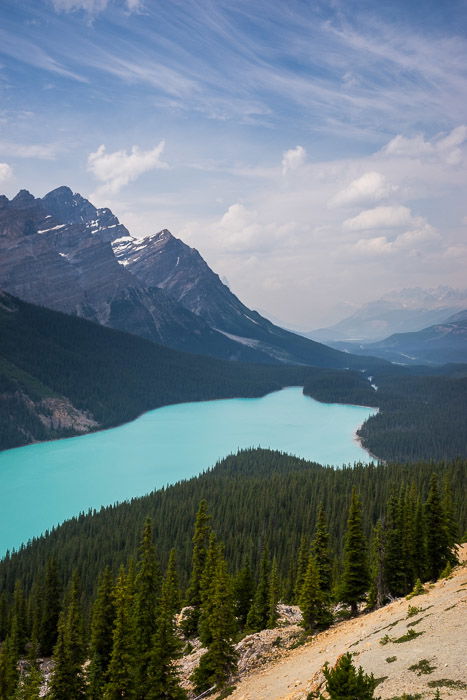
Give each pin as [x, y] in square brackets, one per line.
[423, 667]
[447, 571]
[413, 610]
[385, 640]
[447, 683]
[410, 634]
[418, 589]
[391, 659]
[226, 692]
[406, 696]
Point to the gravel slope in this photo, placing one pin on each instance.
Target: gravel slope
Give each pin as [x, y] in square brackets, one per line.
[443, 643]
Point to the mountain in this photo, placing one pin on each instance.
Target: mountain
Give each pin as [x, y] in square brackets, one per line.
[396, 312]
[62, 252]
[437, 344]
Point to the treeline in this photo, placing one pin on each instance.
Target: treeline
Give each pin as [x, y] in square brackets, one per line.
[127, 629]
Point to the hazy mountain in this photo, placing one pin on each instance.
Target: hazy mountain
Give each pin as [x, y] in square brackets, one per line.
[437, 344]
[62, 252]
[396, 312]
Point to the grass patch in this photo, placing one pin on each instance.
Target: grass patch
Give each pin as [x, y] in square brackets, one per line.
[407, 637]
[391, 659]
[423, 667]
[447, 683]
[413, 610]
[406, 696]
[385, 640]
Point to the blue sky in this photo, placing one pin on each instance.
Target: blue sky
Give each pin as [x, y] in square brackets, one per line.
[314, 152]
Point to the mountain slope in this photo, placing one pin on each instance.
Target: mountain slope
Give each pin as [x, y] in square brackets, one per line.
[439, 344]
[57, 251]
[397, 312]
[164, 261]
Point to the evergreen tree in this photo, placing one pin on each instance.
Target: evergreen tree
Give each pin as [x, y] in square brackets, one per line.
[395, 562]
[51, 600]
[316, 613]
[207, 590]
[162, 682]
[68, 680]
[378, 591]
[200, 547]
[345, 682]
[420, 541]
[219, 663]
[147, 592]
[8, 669]
[355, 575]
[300, 566]
[102, 623]
[123, 666]
[29, 684]
[451, 528]
[18, 629]
[274, 593]
[257, 618]
[321, 551]
[437, 540]
[243, 588]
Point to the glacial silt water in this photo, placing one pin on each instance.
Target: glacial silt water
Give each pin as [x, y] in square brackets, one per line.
[46, 483]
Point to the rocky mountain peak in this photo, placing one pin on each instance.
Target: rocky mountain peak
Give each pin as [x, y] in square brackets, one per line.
[22, 199]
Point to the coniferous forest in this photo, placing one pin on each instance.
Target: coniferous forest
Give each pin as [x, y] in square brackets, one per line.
[259, 528]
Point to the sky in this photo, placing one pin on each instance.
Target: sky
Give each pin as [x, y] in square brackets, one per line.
[313, 152]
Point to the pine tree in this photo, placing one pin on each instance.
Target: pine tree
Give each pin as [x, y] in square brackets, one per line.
[102, 623]
[30, 684]
[18, 629]
[395, 562]
[345, 682]
[274, 593]
[451, 528]
[8, 669]
[355, 575]
[147, 592]
[162, 681]
[437, 540]
[300, 567]
[243, 588]
[321, 550]
[207, 589]
[51, 600]
[68, 679]
[315, 611]
[219, 663]
[200, 547]
[257, 618]
[122, 670]
[378, 591]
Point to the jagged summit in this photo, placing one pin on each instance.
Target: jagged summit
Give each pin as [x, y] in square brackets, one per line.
[63, 252]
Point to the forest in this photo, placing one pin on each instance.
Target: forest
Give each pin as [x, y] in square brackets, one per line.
[259, 528]
[46, 354]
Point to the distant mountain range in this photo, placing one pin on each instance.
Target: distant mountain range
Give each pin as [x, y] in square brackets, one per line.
[435, 345]
[63, 253]
[396, 312]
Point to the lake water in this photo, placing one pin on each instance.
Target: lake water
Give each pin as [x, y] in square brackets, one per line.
[46, 483]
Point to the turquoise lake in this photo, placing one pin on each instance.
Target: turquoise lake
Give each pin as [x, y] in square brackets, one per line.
[46, 483]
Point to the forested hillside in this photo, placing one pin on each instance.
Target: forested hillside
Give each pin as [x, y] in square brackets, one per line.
[273, 528]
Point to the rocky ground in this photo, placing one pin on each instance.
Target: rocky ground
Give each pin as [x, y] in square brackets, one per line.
[432, 656]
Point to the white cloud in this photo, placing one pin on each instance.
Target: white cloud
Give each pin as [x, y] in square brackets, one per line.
[293, 159]
[371, 186]
[119, 168]
[92, 7]
[415, 241]
[380, 217]
[443, 147]
[44, 151]
[5, 172]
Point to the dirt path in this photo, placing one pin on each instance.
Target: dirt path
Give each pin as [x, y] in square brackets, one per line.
[442, 623]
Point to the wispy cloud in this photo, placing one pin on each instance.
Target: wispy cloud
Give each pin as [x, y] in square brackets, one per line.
[117, 169]
[293, 159]
[6, 172]
[43, 151]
